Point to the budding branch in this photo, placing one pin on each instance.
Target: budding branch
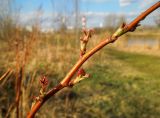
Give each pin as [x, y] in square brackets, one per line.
[124, 28]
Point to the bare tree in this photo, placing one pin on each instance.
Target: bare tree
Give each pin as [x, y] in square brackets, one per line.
[111, 21]
[6, 21]
[121, 19]
[157, 20]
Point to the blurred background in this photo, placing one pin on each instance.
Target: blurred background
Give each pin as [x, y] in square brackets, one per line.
[41, 37]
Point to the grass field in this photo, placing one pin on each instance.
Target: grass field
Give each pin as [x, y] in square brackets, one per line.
[123, 84]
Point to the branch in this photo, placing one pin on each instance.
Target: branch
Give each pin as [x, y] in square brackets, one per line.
[66, 81]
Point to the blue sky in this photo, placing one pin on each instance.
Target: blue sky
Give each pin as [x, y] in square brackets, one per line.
[95, 10]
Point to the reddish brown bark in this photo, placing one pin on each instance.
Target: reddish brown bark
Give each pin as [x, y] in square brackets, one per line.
[65, 82]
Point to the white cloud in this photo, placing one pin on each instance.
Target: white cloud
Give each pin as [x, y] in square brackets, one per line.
[142, 4]
[94, 19]
[96, 14]
[97, 1]
[124, 3]
[147, 3]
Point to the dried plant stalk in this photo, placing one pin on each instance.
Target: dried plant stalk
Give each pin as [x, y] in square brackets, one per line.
[9, 71]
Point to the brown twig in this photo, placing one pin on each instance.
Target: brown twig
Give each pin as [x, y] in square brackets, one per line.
[9, 71]
[65, 82]
[18, 90]
[11, 107]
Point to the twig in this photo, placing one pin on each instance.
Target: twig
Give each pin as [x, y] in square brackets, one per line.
[9, 71]
[11, 107]
[18, 90]
[65, 82]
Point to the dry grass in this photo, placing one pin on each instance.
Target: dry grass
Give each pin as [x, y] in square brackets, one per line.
[53, 55]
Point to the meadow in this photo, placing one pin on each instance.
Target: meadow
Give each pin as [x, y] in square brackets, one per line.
[123, 83]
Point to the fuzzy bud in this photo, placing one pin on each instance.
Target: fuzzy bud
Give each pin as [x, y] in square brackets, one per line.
[44, 82]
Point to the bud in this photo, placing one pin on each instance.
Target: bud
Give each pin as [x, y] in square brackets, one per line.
[84, 40]
[44, 82]
[81, 72]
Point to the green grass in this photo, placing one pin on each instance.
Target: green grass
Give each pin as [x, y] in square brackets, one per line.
[127, 85]
[122, 84]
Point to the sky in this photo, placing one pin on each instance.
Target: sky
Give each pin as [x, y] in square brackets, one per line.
[94, 10]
